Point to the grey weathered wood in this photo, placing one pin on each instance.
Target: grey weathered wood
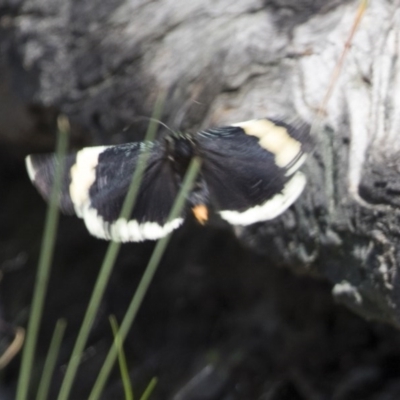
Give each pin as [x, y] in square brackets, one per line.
[104, 62]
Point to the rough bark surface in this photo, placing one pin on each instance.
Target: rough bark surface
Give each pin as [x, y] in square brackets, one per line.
[103, 63]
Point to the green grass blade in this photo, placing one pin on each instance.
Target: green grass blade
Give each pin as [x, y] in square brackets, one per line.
[51, 360]
[106, 268]
[122, 360]
[89, 317]
[149, 390]
[44, 266]
[146, 280]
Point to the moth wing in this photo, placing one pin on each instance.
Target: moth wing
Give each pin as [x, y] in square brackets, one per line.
[96, 182]
[251, 168]
[41, 170]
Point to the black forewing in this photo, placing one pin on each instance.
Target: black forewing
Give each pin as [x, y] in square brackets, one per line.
[114, 171]
[239, 173]
[298, 130]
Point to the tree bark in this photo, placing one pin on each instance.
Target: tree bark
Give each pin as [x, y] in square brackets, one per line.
[103, 64]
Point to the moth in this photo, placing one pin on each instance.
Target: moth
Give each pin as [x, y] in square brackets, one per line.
[249, 173]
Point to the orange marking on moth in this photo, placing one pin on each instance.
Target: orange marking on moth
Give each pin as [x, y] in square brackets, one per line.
[201, 213]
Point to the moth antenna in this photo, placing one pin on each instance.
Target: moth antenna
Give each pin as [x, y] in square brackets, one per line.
[161, 123]
[158, 122]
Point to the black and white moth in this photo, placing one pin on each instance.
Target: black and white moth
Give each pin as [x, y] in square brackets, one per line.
[249, 173]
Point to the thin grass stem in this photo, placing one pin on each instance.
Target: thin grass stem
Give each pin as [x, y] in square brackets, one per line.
[149, 390]
[51, 359]
[123, 366]
[44, 265]
[146, 280]
[108, 264]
